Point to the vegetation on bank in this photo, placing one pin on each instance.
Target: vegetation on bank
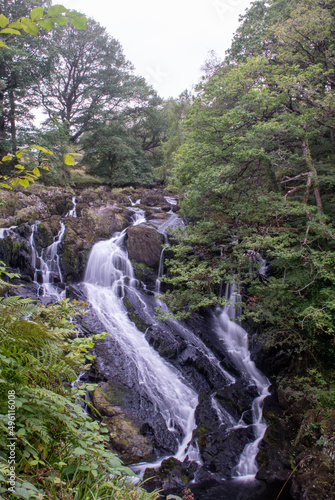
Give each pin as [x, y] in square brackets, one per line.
[60, 452]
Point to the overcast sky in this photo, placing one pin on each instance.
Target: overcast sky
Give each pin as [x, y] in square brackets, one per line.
[166, 40]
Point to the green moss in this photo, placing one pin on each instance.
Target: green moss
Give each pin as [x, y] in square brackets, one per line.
[140, 324]
[169, 353]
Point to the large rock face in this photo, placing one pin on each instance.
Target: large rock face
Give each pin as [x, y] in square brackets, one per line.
[144, 245]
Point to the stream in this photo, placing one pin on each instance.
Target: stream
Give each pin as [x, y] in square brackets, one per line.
[173, 395]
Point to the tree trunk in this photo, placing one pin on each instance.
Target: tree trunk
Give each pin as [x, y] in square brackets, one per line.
[12, 120]
[314, 177]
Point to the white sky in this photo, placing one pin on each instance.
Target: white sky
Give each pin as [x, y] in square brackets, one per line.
[166, 40]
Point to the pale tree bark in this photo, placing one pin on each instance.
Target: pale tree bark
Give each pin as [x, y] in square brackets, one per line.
[313, 179]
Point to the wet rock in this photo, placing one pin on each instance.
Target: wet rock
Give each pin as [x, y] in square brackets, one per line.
[35, 210]
[16, 253]
[46, 232]
[124, 433]
[145, 275]
[153, 198]
[219, 449]
[276, 450]
[171, 475]
[58, 200]
[237, 398]
[144, 245]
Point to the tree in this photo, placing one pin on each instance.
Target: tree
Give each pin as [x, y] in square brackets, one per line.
[255, 167]
[90, 82]
[113, 153]
[22, 63]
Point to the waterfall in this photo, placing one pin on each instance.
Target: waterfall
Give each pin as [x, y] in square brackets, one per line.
[235, 340]
[161, 265]
[72, 212]
[5, 231]
[109, 274]
[49, 266]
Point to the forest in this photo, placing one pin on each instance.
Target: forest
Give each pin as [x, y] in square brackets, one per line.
[249, 156]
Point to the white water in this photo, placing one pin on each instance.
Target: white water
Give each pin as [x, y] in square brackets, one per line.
[109, 272]
[5, 231]
[235, 339]
[48, 264]
[73, 212]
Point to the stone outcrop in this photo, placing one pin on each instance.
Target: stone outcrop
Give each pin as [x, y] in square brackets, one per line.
[124, 432]
[144, 245]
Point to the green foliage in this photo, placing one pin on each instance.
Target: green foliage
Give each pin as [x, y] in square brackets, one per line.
[255, 167]
[57, 14]
[59, 450]
[117, 157]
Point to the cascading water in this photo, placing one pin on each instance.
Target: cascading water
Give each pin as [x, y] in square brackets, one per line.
[235, 340]
[72, 212]
[5, 231]
[109, 274]
[49, 265]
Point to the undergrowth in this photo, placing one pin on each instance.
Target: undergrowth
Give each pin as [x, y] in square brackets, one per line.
[57, 451]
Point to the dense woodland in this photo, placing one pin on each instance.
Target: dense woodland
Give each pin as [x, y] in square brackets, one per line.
[252, 152]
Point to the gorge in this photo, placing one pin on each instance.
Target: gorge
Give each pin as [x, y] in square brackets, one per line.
[182, 400]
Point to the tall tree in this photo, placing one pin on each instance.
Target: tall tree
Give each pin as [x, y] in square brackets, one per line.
[255, 167]
[90, 81]
[21, 65]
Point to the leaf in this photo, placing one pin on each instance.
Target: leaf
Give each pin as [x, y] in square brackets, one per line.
[29, 486]
[57, 9]
[31, 29]
[3, 21]
[36, 171]
[79, 22]
[70, 469]
[173, 497]
[16, 24]
[19, 167]
[6, 185]
[37, 13]
[6, 158]
[22, 493]
[79, 451]
[47, 24]
[14, 182]
[34, 146]
[61, 20]
[23, 182]
[19, 154]
[2, 44]
[10, 30]
[68, 159]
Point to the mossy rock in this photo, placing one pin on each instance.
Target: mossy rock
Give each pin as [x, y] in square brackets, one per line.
[135, 318]
[107, 399]
[125, 434]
